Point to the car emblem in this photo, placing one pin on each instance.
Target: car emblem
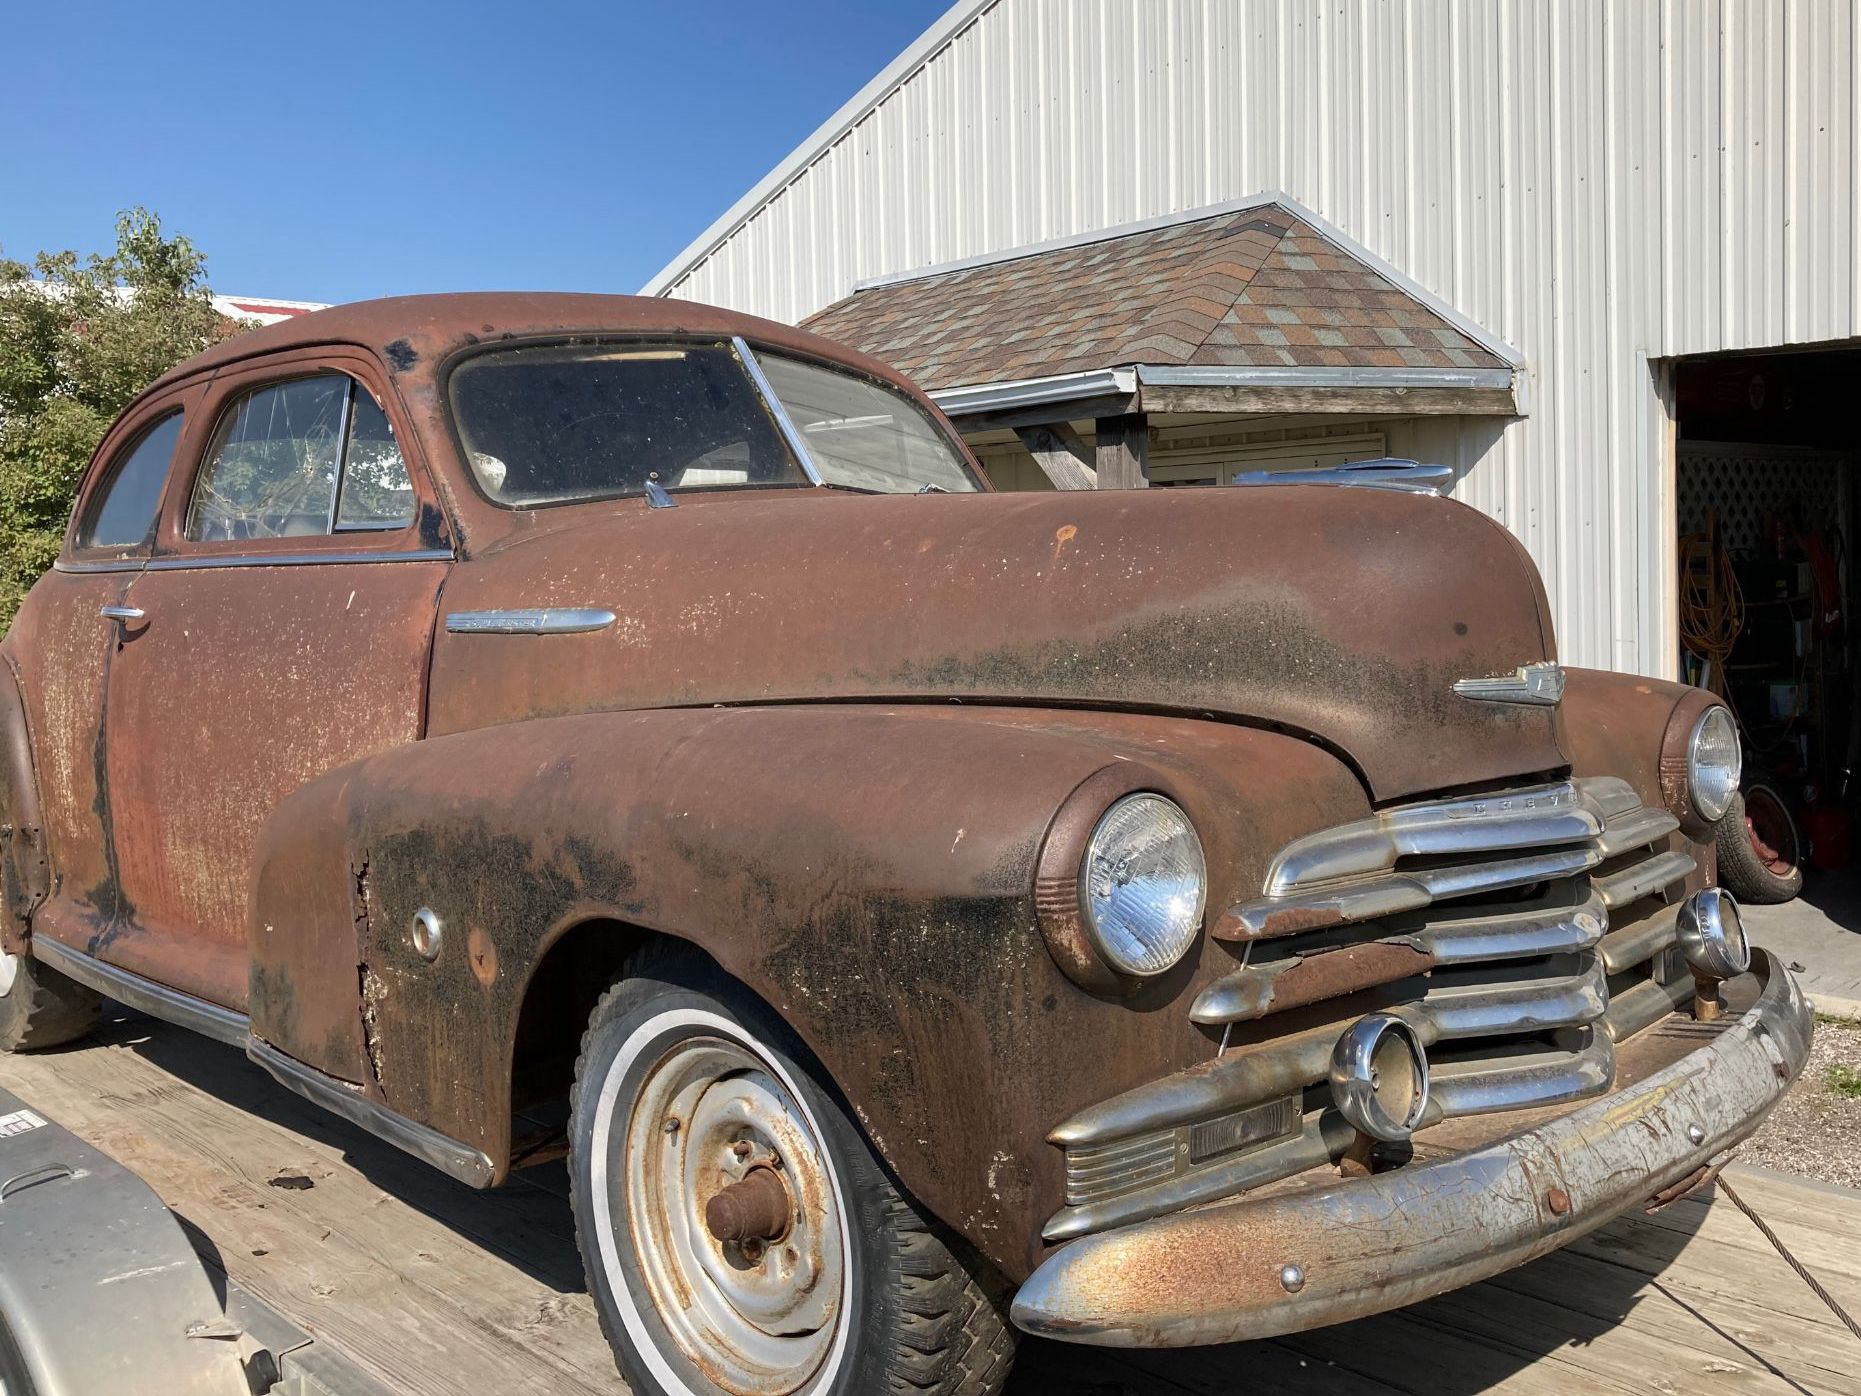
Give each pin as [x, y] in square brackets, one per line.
[1539, 684]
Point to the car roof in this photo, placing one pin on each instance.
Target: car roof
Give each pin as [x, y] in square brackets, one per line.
[410, 329]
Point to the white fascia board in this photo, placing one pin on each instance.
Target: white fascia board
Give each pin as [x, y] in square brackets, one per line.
[1273, 376]
[951, 23]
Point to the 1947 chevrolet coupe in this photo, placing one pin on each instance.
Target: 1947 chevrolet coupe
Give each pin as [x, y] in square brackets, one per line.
[1137, 917]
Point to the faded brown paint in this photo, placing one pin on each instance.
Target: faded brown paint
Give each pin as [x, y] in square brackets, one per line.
[242, 685]
[887, 915]
[1335, 615]
[721, 766]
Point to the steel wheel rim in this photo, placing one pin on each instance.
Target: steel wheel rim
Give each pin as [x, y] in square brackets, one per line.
[9, 973]
[1768, 826]
[752, 1319]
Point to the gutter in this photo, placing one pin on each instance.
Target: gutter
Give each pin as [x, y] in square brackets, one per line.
[978, 399]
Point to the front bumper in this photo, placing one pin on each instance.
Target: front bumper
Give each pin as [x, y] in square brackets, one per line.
[1221, 1274]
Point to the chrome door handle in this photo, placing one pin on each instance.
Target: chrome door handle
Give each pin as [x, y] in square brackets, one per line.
[122, 613]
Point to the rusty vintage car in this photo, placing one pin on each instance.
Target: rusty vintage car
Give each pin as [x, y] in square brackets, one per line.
[1136, 917]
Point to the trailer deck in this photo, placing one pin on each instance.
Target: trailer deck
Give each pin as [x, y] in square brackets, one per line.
[432, 1287]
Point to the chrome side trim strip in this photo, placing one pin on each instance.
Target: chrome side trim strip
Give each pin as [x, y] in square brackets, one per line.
[1540, 685]
[546, 620]
[462, 1161]
[790, 432]
[144, 995]
[188, 564]
[1639, 879]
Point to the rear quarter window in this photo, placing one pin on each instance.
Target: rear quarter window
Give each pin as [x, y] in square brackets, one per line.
[130, 497]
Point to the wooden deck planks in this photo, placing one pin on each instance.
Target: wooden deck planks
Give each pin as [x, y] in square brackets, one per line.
[435, 1288]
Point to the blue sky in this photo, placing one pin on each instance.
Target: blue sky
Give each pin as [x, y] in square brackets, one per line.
[334, 151]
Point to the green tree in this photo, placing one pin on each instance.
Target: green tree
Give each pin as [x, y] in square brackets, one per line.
[80, 337]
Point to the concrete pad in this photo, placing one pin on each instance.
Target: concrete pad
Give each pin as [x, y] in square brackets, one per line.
[1821, 931]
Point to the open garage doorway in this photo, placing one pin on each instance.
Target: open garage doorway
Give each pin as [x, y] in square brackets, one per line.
[1767, 480]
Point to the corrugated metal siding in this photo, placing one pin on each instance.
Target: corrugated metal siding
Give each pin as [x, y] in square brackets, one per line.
[1600, 185]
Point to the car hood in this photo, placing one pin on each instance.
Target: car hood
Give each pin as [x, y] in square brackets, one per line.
[1345, 615]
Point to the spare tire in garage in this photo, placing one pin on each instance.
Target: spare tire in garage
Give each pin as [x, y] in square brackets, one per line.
[1760, 847]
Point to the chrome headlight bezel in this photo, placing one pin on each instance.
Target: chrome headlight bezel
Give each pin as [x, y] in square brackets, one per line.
[1712, 794]
[1147, 940]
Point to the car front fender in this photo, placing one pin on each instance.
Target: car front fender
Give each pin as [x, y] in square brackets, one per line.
[869, 872]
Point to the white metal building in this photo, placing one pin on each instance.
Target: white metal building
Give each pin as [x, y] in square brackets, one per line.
[1601, 187]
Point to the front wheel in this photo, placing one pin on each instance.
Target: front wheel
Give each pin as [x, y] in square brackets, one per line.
[738, 1233]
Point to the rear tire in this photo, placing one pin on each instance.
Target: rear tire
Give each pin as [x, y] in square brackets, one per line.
[1760, 848]
[39, 1007]
[686, 1081]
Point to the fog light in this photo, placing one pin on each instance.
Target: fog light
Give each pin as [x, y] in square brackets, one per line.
[1711, 935]
[1379, 1077]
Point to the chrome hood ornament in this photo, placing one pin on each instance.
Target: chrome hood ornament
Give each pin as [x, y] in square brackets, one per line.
[1541, 685]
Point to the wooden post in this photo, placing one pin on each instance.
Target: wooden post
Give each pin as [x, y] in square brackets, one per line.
[1061, 455]
[1124, 452]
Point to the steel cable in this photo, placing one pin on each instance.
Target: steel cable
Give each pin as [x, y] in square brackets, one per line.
[1835, 1308]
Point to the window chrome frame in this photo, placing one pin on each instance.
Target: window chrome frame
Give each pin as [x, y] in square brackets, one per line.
[777, 409]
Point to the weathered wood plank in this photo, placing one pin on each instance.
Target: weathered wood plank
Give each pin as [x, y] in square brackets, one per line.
[432, 1287]
[380, 1276]
[1124, 452]
[1062, 456]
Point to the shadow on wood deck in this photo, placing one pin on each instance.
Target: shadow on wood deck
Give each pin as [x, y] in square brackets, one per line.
[436, 1288]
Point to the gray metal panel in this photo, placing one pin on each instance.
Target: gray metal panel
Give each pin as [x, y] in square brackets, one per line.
[99, 1288]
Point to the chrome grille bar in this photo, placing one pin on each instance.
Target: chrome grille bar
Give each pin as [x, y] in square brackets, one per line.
[1637, 880]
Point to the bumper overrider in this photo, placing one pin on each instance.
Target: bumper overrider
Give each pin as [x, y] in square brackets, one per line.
[1297, 1260]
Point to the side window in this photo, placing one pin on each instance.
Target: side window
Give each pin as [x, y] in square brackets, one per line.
[131, 495]
[376, 492]
[309, 456]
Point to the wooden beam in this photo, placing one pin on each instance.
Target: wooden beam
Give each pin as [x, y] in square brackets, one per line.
[1124, 452]
[1058, 451]
[1357, 402]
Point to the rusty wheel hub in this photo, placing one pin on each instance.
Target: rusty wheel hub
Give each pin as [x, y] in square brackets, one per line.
[734, 1215]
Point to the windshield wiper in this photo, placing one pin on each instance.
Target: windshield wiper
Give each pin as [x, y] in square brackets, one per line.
[932, 489]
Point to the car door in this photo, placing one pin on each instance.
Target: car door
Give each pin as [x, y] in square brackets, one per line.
[62, 644]
[282, 627]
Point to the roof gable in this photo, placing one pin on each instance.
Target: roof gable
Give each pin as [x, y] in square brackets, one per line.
[1258, 286]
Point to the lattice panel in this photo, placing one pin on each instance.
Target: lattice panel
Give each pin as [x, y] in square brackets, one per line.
[1744, 483]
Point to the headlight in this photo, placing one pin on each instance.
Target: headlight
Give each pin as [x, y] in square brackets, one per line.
[1714, 762]
[1143, 885]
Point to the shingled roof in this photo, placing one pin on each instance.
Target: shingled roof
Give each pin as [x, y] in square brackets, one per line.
[1255, 287]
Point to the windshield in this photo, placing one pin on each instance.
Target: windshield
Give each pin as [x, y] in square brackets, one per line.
[550, 424]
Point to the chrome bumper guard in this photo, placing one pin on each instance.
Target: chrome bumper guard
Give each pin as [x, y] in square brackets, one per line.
[1297, 1260]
